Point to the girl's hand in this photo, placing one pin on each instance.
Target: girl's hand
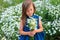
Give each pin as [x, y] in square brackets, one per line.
[30, 34]
[33, 32]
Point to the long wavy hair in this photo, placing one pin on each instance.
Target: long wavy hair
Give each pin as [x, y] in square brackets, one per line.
[25, 6]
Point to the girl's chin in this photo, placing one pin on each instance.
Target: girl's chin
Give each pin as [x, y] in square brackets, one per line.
[30, 15]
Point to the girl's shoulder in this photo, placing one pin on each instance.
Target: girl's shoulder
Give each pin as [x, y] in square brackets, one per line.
[37, 16]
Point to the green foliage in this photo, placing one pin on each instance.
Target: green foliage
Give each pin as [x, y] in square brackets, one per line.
[55, 2]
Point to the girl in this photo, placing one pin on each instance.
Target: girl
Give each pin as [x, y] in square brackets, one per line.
[28, 10]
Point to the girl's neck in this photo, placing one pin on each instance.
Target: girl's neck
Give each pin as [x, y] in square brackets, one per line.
[31, 15]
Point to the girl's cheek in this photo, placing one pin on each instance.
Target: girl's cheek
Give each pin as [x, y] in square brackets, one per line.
[27, 13]
[33, 10]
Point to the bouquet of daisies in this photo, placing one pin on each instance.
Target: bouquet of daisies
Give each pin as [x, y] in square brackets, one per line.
[32, 25]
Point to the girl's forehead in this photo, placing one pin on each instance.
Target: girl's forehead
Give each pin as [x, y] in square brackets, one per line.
[31, 5]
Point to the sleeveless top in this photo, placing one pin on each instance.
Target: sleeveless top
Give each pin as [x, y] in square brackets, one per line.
[37, 36]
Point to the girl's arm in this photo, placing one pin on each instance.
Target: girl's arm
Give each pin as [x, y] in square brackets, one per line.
[21, 29]
[40, 27]
[38, 30]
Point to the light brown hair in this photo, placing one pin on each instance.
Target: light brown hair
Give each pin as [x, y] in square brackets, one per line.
[25, 6]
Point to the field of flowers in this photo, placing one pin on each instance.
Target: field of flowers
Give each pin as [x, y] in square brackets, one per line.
[10, 13]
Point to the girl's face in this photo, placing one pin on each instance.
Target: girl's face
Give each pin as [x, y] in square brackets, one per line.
[30, 10]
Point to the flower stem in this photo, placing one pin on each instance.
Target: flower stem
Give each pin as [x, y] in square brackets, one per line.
[31, 38]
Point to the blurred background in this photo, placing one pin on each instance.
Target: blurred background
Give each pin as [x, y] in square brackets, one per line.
[10, 13]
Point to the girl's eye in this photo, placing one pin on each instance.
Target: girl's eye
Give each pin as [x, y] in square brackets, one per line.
[31, 9]
[28, 11]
